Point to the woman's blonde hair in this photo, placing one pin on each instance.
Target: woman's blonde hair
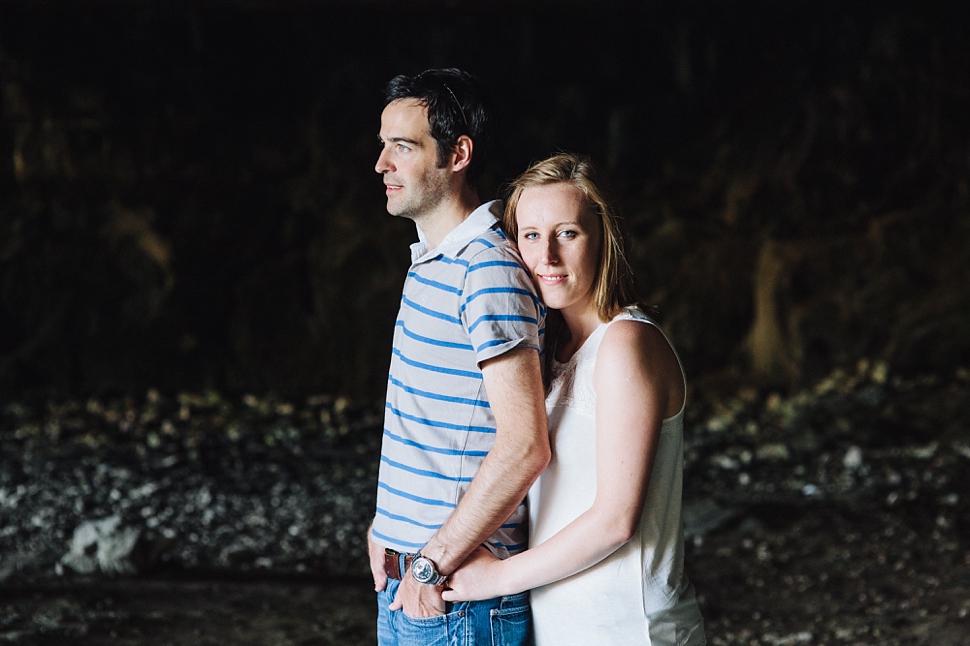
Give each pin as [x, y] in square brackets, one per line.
[613, 288]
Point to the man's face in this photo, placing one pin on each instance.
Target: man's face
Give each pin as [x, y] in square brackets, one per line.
[414, 183]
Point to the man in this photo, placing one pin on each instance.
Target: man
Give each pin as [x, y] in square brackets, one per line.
[465, 427]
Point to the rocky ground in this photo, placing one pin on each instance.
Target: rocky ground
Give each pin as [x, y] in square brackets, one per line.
[836, 515]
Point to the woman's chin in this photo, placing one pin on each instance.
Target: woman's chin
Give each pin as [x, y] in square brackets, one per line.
[551, 301]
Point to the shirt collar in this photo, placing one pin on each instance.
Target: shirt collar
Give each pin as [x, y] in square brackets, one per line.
[478, 222]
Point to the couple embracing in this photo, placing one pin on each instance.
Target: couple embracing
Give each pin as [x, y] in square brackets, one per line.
[491, 396]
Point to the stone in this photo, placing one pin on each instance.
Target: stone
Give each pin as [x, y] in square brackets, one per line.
[773, 452]
[853, 458]
[113, 548]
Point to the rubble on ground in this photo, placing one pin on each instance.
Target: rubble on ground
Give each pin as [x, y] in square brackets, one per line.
[837, 514]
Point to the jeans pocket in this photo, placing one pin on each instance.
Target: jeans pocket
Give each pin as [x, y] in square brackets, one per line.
[428, 631]
[511, 622]
[424, 621]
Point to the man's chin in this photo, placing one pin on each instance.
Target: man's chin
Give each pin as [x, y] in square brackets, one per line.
[396, 210]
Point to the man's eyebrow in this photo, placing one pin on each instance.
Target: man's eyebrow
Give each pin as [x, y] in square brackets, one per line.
[395, 140]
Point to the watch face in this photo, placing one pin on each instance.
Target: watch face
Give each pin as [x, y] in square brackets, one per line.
[422, 570]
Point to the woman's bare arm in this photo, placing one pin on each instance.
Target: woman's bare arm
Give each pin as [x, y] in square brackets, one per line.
[638, 383]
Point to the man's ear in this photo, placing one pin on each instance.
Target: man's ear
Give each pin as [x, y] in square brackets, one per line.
[461, 155]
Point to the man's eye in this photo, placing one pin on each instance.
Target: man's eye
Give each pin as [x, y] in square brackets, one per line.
[403, 148]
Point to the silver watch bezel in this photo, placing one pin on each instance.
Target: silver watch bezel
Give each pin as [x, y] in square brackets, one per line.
[423, 570]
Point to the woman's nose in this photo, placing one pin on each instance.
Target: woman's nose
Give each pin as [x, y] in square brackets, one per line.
[550, 254]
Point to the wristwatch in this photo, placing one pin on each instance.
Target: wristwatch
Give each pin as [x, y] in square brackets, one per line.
[424, 571]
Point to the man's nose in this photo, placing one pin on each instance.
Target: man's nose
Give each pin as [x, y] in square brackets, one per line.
[383, 164]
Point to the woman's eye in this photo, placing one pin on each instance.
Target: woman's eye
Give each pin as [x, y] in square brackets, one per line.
[530, 236]
[567, 234]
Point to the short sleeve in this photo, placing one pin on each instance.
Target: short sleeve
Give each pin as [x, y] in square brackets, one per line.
[499, 305]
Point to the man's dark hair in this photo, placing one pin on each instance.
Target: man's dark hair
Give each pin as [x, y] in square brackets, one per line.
[456, 106]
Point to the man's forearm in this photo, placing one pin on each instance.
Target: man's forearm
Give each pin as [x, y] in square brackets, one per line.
[497, 489]
[519, 454]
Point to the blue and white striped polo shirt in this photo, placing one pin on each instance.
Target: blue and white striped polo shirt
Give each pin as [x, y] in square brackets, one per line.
[466, 301]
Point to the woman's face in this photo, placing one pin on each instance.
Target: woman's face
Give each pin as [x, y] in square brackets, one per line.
[560, 241]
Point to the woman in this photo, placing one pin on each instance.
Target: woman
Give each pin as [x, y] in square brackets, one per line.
[605, 563]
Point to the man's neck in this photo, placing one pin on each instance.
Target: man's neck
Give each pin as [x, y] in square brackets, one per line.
[447, 216]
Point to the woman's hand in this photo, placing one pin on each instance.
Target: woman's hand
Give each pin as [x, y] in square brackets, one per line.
[478, 578]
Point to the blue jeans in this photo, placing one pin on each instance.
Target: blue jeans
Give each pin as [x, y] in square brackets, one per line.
[506, 621]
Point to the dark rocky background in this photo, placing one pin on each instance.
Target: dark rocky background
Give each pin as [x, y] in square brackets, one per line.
[187, 195]
[198, 283]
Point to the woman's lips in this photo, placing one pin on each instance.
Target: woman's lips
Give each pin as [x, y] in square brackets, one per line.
[551, 279]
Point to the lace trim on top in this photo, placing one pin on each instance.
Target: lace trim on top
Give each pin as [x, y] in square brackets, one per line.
[571, 385]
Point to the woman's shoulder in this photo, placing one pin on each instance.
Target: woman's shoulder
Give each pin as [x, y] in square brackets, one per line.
[633, 329]
[635, 349]
[634, 337]
[634, 341]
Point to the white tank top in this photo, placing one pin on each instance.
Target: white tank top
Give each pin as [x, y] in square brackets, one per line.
[639, 594]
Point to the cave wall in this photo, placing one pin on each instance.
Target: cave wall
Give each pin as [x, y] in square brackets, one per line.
[187, 194]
